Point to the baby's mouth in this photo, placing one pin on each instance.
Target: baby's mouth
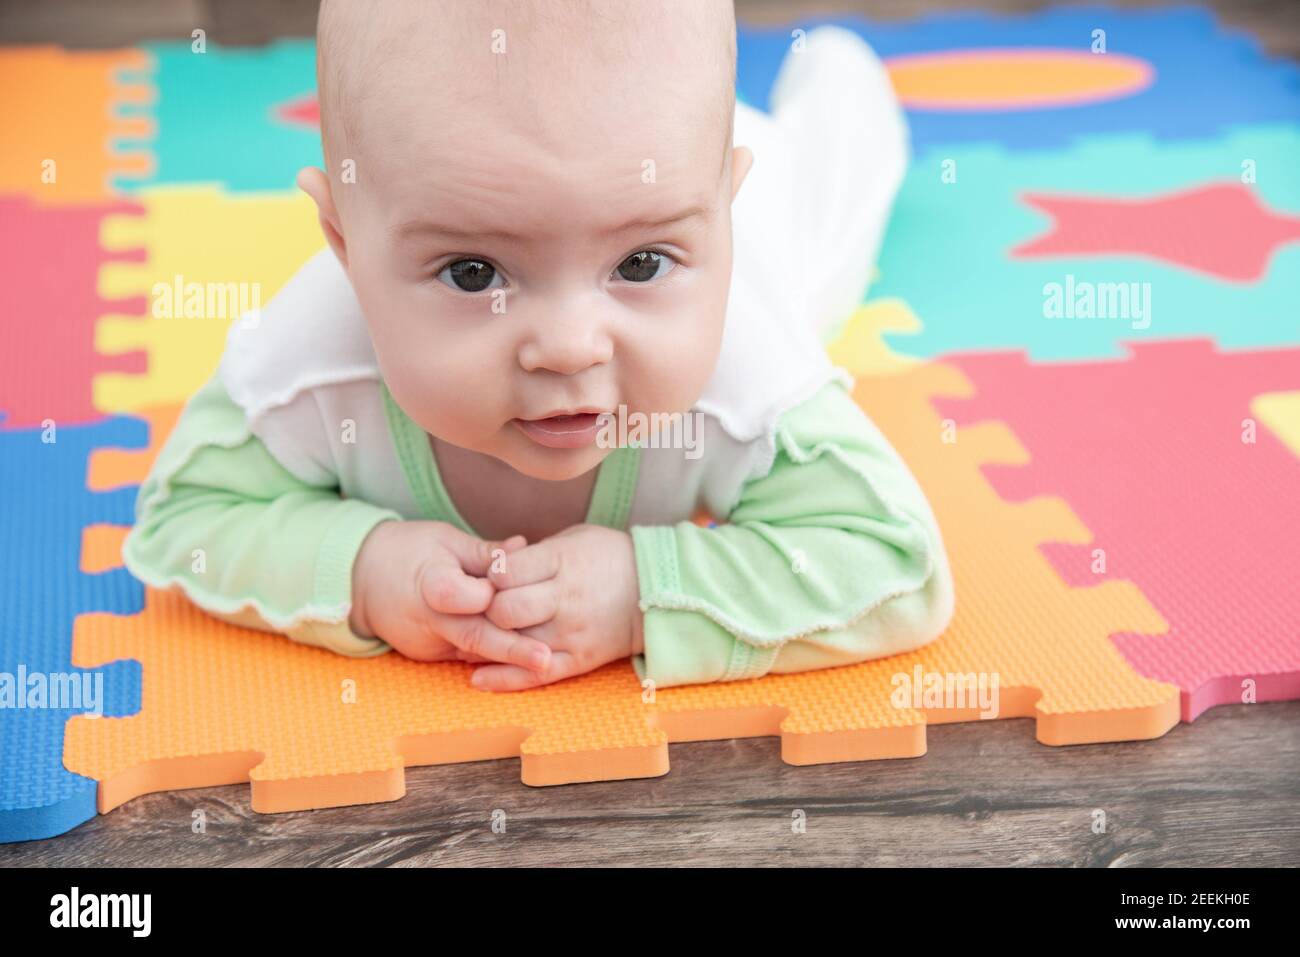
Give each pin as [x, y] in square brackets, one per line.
[571, 430]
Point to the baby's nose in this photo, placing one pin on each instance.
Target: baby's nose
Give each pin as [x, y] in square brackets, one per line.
[566, 344]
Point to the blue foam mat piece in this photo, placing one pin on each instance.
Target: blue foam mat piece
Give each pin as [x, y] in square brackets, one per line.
[44, 505]
[1206, 76]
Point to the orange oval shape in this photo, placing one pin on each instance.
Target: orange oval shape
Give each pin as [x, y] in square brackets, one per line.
[1014, 79]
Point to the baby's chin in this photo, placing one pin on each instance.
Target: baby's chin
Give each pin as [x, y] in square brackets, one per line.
[551, 465]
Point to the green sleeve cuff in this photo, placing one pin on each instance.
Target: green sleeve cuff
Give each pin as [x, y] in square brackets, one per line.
[655, 547]
[687, 648]
[333, 582]
[683, 646]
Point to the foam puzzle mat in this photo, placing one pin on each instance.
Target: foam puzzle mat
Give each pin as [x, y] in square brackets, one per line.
[1084, 338]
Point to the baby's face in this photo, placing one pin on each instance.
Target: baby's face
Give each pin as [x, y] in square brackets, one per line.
[539, 249]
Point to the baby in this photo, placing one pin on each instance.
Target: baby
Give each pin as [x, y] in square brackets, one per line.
[531, 209]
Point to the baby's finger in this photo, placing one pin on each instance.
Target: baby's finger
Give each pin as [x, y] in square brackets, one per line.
[505, 678]
[475, 635]
[536, 563]
[525, 606]
[511, 678]
[447, 589]
[478, 555]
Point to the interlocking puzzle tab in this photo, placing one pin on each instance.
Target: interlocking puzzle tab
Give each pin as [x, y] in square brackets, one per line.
[44, 508]
[205, 257]
[1187, 497]
[51, 259]
[220, 114]
[57, 141]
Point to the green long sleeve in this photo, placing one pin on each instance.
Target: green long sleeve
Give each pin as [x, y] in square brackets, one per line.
[833, 557]
[244, 538]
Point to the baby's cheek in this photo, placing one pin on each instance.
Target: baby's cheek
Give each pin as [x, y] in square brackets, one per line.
[461, 400]
[673, 365]
[447, 388]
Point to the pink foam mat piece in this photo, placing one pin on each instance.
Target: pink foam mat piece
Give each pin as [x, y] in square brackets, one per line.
[48, 309]
[1185, 495]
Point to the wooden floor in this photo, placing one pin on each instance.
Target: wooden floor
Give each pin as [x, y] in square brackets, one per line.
[97, 23]
[1222, 791]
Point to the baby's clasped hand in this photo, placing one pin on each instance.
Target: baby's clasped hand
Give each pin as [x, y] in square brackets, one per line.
[422, 587]
[578, 593]
[529, 614]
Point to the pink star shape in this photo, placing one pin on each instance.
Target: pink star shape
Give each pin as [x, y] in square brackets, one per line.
[1220, 229]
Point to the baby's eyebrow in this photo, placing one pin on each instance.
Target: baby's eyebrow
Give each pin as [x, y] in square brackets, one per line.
[419, 227]
[698, 211]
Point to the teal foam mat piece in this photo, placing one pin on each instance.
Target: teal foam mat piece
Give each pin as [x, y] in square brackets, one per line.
[948, 250]
[219, 116]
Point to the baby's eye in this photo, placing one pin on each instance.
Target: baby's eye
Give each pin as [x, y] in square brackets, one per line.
[645, 265]
[469, 275]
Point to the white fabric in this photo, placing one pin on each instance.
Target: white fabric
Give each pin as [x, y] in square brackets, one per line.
[807, 224]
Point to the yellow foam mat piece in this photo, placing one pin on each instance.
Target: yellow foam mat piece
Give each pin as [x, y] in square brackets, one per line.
[1280, 411]
[198, 239]
[860, 347]
[56, 138]
[308, 728]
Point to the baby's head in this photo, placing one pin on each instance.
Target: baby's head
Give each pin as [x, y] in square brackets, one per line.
[533, 202]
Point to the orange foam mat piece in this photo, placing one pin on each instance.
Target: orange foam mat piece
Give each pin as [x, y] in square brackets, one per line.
[1047, 643]
[223, 704]
[62, 106]
[310, 728]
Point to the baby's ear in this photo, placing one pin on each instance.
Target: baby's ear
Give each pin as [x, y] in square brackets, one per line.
[742, 158]
[314, 183]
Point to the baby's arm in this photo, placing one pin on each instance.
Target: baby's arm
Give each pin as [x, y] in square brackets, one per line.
[255, 545]
[831, 558]
[245, 539]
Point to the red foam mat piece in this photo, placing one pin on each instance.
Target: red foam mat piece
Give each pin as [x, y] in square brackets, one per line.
[1185, 495]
